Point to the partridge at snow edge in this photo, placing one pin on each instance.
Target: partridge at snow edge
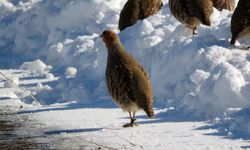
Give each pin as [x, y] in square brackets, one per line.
[192, 13]
[240, 23]
[127, 81]
[135, 10]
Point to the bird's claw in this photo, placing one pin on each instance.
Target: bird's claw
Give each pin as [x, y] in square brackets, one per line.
[130, 125]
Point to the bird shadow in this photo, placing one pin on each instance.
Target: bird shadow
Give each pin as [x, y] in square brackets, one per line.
[241, 47]
[5, 98]
[229, 128]
[178, 116]
[162, 116]
[166, 116]
[245, 147]
[69, 106]
[220, 131]
[54, 132]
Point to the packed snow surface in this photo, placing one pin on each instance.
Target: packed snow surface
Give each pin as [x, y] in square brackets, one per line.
[199, 76]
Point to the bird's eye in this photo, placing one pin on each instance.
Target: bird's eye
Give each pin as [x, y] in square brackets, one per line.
[104, 32]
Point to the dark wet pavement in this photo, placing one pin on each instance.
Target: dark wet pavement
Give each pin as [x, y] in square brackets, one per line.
[10, 137]
[20, 133]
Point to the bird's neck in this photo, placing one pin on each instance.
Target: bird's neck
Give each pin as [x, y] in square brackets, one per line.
[115, 47]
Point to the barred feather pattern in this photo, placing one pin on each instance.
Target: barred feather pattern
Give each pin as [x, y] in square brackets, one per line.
[129, 14]
[134, 10]
[122, 77]
[118, 89]
[179, 10]
[127, 81]
[149, 8]
[224, 4]
[192, 12]
[240, 23]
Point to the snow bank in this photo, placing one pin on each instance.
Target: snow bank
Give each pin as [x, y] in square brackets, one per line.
[6, 7]
[234, 125]
[36, 66]
[239, 124]
[200, 75]
[13, 82]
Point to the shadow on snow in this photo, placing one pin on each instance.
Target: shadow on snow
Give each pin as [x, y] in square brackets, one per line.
[162, 116]
[69, 106]
[72, 131]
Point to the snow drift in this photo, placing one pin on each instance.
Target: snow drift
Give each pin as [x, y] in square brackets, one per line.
[200, 75]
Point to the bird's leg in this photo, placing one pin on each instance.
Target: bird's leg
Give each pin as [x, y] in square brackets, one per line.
[128, 124]
[132, 121]
[195, 30]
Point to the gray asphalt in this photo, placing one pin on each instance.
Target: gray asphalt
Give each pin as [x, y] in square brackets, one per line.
[13, 136]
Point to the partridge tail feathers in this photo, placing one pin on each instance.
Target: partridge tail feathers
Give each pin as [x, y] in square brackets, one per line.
[149, 112]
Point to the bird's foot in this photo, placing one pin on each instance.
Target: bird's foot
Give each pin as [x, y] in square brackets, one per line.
[195, 31]
[130, 125]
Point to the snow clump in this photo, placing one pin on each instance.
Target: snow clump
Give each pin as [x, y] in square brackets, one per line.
[70, 72]
[36, 66]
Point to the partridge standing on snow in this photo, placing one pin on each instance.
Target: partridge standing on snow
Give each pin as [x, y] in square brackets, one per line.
[240, 23]
[127, 81]
[138, 9]
[194, 12]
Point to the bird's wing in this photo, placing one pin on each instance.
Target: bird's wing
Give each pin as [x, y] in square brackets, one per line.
[149, 8]
[224, 4]
[179, 9]
[129, 14]
[202, 10]
[143, 70]
[141, 90]
[119, 81]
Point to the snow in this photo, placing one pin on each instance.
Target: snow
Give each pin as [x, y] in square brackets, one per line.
[60, 58]
[90, 127]
[13, 82]
[36, 66]
[70, 72]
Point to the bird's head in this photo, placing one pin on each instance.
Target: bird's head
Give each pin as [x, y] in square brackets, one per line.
[110, 38]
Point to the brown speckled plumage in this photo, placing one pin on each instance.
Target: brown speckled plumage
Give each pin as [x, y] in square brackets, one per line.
[134, 10]
[240, 23]
[193, 12]
[127, 81]
[224, 4]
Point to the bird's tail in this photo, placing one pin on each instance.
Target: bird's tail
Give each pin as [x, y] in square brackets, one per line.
[206, 21]
[233, 40]
[150, 112]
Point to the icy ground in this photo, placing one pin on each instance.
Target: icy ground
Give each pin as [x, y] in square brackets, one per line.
[75, 126]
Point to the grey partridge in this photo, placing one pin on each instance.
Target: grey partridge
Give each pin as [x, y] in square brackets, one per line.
[127, 81]
[134, 10]
[240, 23]
[194, 12]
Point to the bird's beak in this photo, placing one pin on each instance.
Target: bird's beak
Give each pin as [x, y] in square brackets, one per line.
[161, 5]
[101, 36]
